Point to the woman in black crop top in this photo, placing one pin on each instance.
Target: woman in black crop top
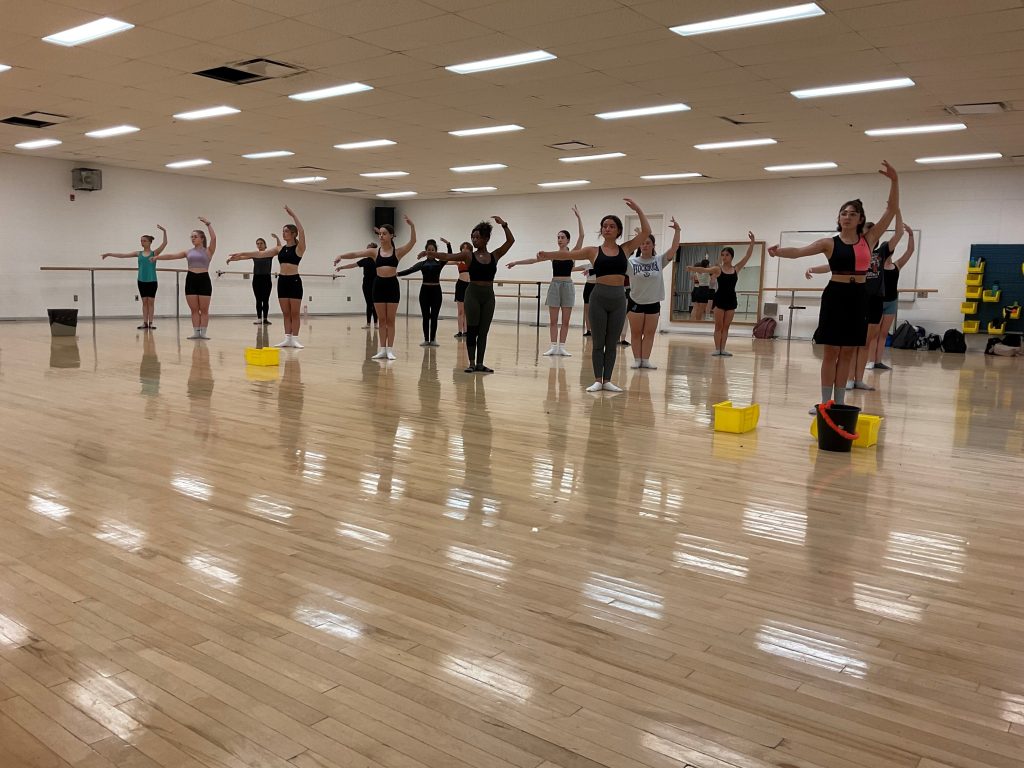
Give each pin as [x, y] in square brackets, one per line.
[369, 267]
[479, 301]
[430, 289]
[386, 290]
[842, 321]
[561, 290]
[608, 301]
[727, 274]
[289, 282]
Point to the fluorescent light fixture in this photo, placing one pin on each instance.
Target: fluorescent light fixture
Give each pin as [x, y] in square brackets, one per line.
[327, 93]
[85, 33]
[475, 168]
[384, 174]
[483, 131]
[959, 158]
[666, 176]
[4, 67]
[801, 167]
[408, 193]
[365, 144]
[501, 62]
[841, 90]
[117, 130]
[736, 144]
[912, 129]
[474, 189]
[38, 144]
[662, 109]
[202, 114]
[305, 180]
[265, 155]
[791, 13]
[188, 163]
[576, 183]
[588, 158]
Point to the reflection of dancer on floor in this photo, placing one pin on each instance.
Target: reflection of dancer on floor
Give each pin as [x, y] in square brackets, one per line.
[647, 281]
[369, 267]
[198, 287]
[430, 289]
[561, 289]
[289, 281]
[147, 274]
[262, 282]
[726, 301]
[842, 321]
[387, 292]
[608, 301]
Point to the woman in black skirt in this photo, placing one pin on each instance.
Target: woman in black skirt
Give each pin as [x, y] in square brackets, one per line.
[727, 274]
[843, 324]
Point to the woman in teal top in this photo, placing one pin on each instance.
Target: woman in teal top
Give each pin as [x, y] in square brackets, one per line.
[147, 274]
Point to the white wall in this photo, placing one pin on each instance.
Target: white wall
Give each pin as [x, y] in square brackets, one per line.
[43, 227]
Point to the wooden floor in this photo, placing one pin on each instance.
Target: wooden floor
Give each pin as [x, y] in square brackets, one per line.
[347, 563]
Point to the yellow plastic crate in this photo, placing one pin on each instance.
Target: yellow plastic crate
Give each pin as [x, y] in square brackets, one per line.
[978, 270]
[971, 326]
[729, 418]
[868, 427]
[1012, 313]
[968, 307]
[974, 280]
[262, 355]
[973, 293]
[996, 328]
[991, 297]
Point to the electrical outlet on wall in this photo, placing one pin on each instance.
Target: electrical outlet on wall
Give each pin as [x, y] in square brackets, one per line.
[780, 318]
[76, 297]
[348, 298]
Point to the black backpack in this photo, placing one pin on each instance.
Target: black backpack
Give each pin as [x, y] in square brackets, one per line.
[933, 342]
[954, 341]
[905, 337]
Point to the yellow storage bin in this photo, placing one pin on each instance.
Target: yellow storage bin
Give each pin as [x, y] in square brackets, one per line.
[978, 270]
[973, 280]
[867, 430]
[971, 326]
[973, 293]
[263, 356]
[968, 307]
[991, 297]
[729, 418]
[996, 328]
[1012, 313]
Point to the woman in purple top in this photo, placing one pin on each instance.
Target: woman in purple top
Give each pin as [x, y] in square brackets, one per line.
[198, 287]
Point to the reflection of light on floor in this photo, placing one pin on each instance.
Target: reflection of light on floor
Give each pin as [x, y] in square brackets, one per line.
[456, 450]
[206, 564]
[337, 624]
[313, 466]
[488, 566]
[507, 682]
[1011, 707]
[543, 475]
[457, 504]
[775, 524]
[269, 509]
[192, 486]
[404, 435]
[808, 649]
[13, 634]
[886, 603]
[932, 555]
[696, 553]
[623, 594]
[47, 507]
[373, 483]
[368, 536]
[121, 535]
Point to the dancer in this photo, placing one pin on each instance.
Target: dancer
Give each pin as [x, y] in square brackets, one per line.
[386, 289]
[369, 267]
[561, 289]
[890, 296]
[146, 280]
[430, 289]
[460, 290]
[262, 282]
[588, 288]
[726, 274]
[608, 301]
[701, 293]
[483, 266]
[648, 291]
[198, 287]
[842, 323]
[289, 281]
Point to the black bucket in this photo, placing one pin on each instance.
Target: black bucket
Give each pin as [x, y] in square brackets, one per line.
[63, 322]
[845, 417]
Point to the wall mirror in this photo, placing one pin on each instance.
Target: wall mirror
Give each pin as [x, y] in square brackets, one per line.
[693, 298]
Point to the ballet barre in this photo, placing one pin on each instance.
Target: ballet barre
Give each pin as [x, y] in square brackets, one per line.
[518, 295]
[92, 282]
[248, 274]
[920, 293]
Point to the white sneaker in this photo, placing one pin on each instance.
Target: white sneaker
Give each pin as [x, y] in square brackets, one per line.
[389, 354]
[552, 351]
[609, 387]
[597, 386]
[869, 367]
[195, 335]
[381, 354]
[286, 343]
[563, 351]
[295, 343]
[648, 365]
[637, 363]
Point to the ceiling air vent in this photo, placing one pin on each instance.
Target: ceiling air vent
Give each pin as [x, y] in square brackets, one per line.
[35, 120]
[734, 121]
[981, 108]
[345, 190]
[569, 146]
[252, 71]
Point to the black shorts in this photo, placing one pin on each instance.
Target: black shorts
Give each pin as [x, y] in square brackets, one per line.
[874, 309]
[460, 290]
[644, 309]
[725, 301]
[702, 294]
[588, 289]
[386, 290]
[842, 320]
[147, 290]
[289, 286]
[198, 284]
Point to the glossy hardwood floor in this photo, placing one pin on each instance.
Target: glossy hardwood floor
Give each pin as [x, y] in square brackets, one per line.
[340, 562]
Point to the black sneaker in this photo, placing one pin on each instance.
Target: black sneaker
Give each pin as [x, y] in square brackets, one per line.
[142, 327]
[151, 326]
[484, 369]
[882, 367]
[586, 333]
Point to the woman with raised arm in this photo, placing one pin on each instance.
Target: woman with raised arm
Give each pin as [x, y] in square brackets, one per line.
[608, 301]
[262, 282]
[430, 289]
[483, 266]
[369, 267]
[386, 290]
[289, 281]
[890, 295]
[726, 273]
[842, 321]
[147, 274]
[198, 287]
[561, 290]
[701, 294]
[588, 288]
[647, 282]
[460, 290]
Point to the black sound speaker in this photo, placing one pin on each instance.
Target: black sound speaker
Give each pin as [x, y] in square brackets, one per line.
[382, 216]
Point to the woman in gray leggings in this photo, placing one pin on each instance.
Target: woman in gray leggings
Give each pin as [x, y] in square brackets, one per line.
[608, 301]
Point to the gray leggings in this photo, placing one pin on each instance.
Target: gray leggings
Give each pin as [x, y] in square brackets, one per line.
[607, 317]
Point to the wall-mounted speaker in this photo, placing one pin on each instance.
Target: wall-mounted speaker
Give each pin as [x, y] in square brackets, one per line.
[86, 179]
[382, 216]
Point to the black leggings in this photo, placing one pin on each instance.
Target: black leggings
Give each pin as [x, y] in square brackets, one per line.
[430, 308]
[479, 313]
[261, 286]
[371, 312]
